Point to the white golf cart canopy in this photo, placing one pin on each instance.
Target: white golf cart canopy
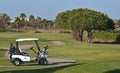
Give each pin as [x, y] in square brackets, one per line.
[18, 50]
[27, 39]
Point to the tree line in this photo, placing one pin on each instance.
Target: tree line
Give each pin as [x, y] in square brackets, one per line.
[76, 20]
[23, 22]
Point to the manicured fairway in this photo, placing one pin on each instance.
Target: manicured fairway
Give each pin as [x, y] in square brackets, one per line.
[90, 58]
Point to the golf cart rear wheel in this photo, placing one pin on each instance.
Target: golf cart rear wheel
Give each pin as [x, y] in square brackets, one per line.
[17, 62]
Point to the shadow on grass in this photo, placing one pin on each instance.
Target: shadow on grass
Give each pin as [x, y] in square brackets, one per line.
[59, 63]
[113, 71]
[45, 70]
[98, 42]
[3, 49]
[50, 64]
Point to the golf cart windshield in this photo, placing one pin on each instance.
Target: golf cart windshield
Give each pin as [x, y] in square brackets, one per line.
[18, 50]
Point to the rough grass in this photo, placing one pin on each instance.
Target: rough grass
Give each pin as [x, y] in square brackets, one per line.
[91, 58]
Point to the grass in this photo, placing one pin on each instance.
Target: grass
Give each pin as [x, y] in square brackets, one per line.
[91, 58]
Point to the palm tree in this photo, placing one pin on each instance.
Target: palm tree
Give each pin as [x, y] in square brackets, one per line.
[31, 18]
[6, 19]
[38, 21]
[32, 22]
[44, 23]
[17, 22]
[22, 15]
[47, 24]
[23, 19]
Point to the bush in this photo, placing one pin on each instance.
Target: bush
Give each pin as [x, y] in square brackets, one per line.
[105, 35]
[15, 30]
[64, 31]
[118, 39]
[37, 31]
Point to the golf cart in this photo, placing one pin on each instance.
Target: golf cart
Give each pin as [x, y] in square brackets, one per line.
[19, 57]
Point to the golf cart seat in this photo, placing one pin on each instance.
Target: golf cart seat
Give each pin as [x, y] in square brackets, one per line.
[24, 54]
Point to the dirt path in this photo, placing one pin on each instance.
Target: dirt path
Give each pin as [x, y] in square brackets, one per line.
[58, 43]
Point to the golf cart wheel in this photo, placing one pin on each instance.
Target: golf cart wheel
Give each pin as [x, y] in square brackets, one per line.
[17, 62]
[43, 62]
[40, 62]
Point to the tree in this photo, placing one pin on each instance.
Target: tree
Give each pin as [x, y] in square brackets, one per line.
[23, 19]
[79, 20]
[44, 24]
[17, 22]
[2, 27]
[6, 18]
[38, 21]
[47, 24]
[4, 21]
[31, 18]
[32, 22]
[50, 24]
[117, 24]
[22, 15]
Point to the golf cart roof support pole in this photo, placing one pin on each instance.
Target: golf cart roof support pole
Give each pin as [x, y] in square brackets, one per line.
[37, 45]
[17, 49]
[34, 51]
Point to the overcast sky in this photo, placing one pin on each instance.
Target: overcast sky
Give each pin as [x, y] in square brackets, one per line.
[48, 9]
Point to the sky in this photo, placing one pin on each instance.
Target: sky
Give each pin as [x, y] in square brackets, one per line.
[49, 9]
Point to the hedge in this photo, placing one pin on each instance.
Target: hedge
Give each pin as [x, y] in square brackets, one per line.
[107, 35]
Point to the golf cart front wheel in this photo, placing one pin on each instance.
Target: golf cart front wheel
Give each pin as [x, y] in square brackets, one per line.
[43, 62]
[17, 62]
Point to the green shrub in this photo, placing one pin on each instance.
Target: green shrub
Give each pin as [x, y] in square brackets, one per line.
[64, 31]
[37, 31]
[118, 39]
[106, 35]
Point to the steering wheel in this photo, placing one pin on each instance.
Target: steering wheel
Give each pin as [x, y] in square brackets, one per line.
[31, 48]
